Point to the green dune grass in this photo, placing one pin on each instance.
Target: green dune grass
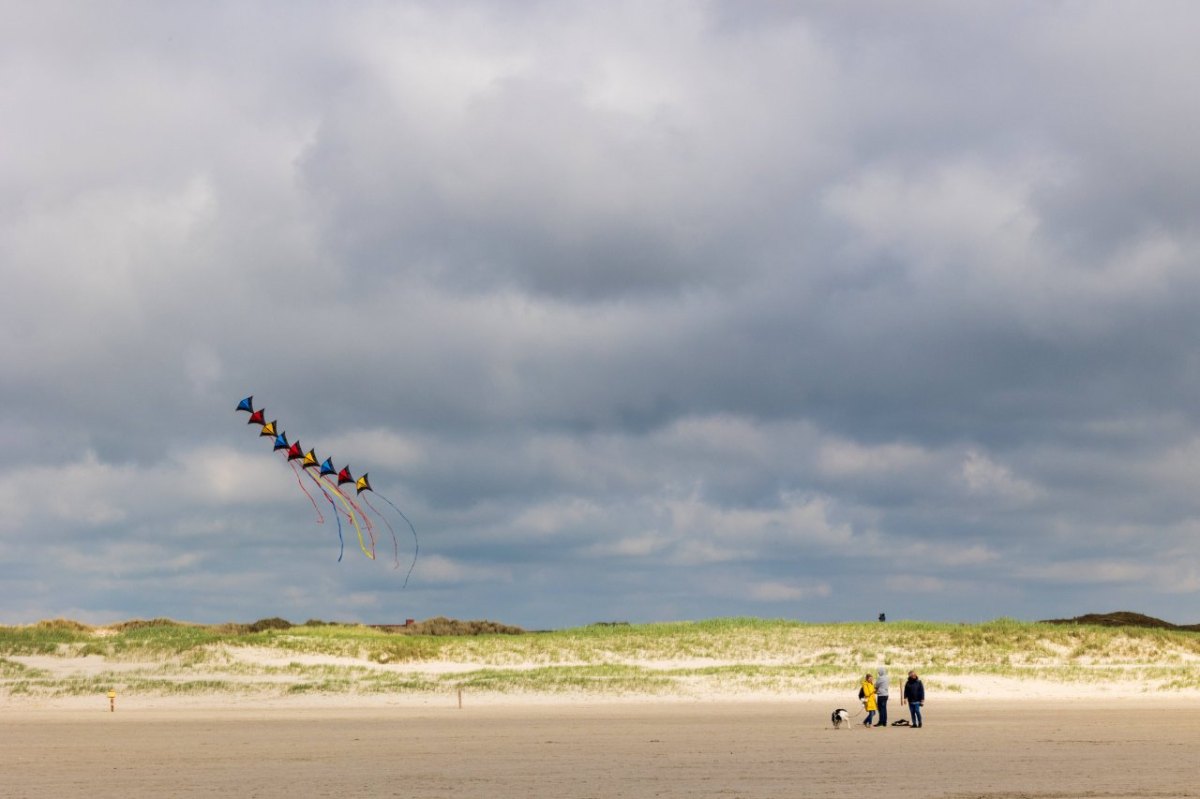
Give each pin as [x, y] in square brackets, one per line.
[165, 657]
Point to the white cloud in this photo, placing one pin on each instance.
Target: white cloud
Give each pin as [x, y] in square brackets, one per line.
[86, 492]
[985, 477]
[946, 222]
[438, 569]
[1088, 571]
[629, 546]
[222, 475]
[844, 458]
[918, 584]
[702, 532]
[787, 592]
[382, 448]
[945, 554]
[556, 517]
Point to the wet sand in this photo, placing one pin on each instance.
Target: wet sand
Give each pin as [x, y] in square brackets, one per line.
[1120, 748]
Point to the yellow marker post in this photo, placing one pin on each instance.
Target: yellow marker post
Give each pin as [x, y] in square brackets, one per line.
[112, 701]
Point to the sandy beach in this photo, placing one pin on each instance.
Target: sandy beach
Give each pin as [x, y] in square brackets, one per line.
[1040, 713]
[1097, 747]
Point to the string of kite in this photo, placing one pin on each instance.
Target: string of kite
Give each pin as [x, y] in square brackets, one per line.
[343, 503]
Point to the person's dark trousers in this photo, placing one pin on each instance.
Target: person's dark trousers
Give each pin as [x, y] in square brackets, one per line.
[882, 702]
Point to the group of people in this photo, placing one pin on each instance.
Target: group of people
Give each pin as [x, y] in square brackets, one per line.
[874, 694]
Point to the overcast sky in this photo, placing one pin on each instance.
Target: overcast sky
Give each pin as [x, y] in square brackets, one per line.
[638, 310]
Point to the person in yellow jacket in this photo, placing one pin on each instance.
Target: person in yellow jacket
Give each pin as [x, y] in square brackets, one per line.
[867, 692]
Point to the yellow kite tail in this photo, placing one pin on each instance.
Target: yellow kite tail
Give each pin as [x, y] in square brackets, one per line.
[351, 515]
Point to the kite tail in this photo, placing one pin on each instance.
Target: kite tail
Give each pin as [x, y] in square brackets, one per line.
[351, 516]
[395, 543]
[366, 521]
[416, 543]
[338, 518]
[299, 482]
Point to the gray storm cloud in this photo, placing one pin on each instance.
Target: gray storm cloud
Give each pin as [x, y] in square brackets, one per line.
[665, 310]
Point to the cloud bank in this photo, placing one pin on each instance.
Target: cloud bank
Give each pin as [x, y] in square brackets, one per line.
[644, 311]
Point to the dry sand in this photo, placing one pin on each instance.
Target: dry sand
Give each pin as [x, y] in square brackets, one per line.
[1090, 746]
[991, 737]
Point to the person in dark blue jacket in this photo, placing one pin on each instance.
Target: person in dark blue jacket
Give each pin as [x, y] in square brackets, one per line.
[914, 697]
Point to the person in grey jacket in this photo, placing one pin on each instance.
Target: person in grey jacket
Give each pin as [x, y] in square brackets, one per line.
[881, 695]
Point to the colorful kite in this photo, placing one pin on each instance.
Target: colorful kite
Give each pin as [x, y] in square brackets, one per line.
[319, 472]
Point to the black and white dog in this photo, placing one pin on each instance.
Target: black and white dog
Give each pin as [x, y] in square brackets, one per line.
[839, 717]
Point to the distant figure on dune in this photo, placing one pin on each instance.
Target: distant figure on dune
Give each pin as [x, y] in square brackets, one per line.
[914, 695]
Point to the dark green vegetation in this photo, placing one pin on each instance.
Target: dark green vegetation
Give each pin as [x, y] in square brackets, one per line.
[1125, 618]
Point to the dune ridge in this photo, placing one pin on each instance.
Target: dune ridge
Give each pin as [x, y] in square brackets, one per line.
[163, 661]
